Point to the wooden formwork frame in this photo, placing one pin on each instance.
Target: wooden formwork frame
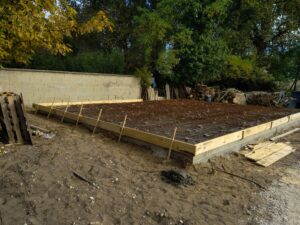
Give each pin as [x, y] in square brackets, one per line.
[203, 148]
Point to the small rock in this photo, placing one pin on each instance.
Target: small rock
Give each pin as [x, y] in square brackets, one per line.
[2, 201]
[226, 202]
[95, 223]
[181, 221]
[206, 135]
[187, 139]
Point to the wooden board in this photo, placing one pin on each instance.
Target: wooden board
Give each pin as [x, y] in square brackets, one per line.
[295, 116]
[218, 142]
[281, 121]
[268, 149]
[285, 134]
[200, 148]
[267, 161]
[158, 140]
[91, 102]
[257, 129]
[14, 119]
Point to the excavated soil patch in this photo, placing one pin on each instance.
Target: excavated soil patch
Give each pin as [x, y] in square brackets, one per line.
[196, 121]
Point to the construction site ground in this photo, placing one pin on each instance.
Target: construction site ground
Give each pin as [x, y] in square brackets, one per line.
[123, 183]
[196, 120]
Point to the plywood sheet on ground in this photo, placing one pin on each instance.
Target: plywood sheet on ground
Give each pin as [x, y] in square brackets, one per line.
[267, 153]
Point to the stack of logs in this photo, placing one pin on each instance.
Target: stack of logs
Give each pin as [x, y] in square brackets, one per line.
[13, 123]
[200, 91]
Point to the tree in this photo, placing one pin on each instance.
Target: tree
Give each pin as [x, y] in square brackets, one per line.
[30, 25]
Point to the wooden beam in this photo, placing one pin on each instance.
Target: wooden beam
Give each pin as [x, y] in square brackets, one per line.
[154, 139]
[218, 142]
[257, 129]
[285, 134]
[165, 142]
[276, 123]
[91, 102]
[295, 116]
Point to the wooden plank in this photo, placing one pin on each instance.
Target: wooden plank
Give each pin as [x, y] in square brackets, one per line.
[285, 134]
[91, 102]
[14, 119]
[271, 148]
[24, 125]
[295, 116]
[267, 161]
[218, 142]
[279, 122]
[7, 122]
[257, 129]
[158, 140]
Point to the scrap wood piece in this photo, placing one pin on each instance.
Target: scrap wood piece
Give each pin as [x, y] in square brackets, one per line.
[284, 134]
[258, 154]
[269, 160]
[39, 128]
[77, 175]
[267, 153]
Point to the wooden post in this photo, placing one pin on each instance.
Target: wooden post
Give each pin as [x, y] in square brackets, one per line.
[171, 145]
[66, 110]
[79, 115]
[168, 94]
[98, 119]
[36, 110]
[121, 132]
[51, 109]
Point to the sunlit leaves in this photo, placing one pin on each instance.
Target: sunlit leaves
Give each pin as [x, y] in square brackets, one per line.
[28, 25]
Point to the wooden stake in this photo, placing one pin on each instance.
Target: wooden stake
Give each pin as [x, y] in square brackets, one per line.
[170, 148]
[36, 110]
[66, 110]
[51, 109]
[98, 119]
[124, 122]
[79, 115]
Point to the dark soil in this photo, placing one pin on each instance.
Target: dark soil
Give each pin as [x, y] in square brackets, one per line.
[196, 121]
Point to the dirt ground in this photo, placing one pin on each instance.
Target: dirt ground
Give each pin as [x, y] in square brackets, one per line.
[196, 121]
[38, 185]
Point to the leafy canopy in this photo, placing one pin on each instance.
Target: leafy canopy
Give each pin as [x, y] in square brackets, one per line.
[29, 25]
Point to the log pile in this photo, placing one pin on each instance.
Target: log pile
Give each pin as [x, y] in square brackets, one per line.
[266, 99]
[200, 91]
[13, 123]
[232, 95]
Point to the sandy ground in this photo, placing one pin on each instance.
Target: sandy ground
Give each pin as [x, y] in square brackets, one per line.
[38, 186]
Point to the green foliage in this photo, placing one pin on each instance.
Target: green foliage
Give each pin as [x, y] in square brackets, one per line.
[166, 62]
[94, 62]
[238, 68]
[247, 43]
[145, 76]
[245, 75]
[202, 61]
[30, 25]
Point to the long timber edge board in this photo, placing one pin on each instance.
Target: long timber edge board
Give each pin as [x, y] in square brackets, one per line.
[200, 152]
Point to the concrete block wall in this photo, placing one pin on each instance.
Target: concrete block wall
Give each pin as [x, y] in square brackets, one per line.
[43, 86]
